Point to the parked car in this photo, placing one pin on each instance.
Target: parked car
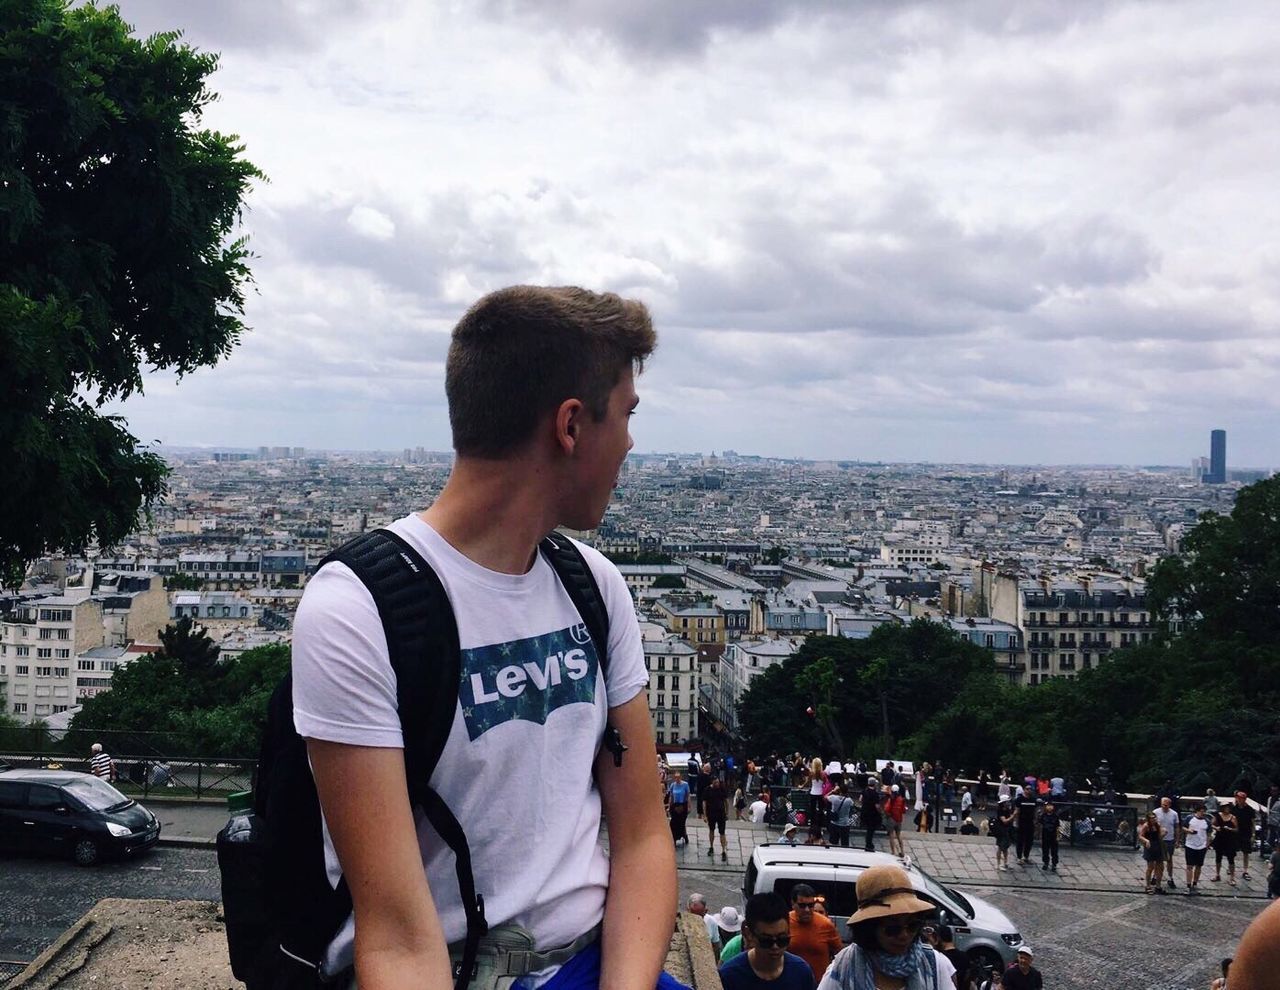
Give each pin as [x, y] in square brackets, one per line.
[981, 929]
[71, 814]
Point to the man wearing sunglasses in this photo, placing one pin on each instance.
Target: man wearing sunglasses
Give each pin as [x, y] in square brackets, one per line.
[766, 932]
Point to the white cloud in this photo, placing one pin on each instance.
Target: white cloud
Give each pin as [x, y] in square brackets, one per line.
[887, 230]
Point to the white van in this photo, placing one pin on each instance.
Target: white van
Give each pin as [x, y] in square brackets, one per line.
[981, 929]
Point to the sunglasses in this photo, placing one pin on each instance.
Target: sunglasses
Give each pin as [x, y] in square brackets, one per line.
[772, 941]
[896, 928]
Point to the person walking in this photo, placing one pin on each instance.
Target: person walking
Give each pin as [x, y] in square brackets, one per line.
[984, 789]
[1171, 832]
[715, 808]
[1245, 817]
[1195, 844]
[814, 937]
[870, 812]
[1004, 827]
[101, 764]
[1049, 823]
[678, 808]
[1151, 836]
[966, 803]
[895, 809]
[1026, 807]
[1226, 832]
[766, 964]
[840, 817]
[885, 948]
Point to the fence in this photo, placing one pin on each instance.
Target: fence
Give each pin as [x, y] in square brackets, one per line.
[142, 776]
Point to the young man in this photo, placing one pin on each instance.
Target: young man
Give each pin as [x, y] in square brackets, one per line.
[1170, 832]
[813, 936]
[540, 384]
[715, 807]
[1195, 845]
[1026, 807]
[766, 964]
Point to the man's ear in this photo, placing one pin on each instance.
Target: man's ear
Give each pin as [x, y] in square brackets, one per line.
[568, 423]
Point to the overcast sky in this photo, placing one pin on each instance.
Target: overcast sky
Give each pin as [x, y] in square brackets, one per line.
[989, 231]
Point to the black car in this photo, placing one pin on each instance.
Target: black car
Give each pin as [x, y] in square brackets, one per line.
[71, 814]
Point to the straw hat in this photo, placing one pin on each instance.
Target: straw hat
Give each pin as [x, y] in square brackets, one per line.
[885, 891]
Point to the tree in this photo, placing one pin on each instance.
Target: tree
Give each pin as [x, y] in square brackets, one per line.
[116, 218]
[183, 582]
[668, 581]
[774, 555]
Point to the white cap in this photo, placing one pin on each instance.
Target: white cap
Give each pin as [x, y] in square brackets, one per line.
[1027, 949]
[728, 918]
[894, 788]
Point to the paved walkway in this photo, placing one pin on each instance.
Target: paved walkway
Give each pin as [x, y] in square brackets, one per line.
[960, 859]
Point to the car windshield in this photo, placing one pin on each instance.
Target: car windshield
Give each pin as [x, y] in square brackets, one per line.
[96, 794]
[944, 894]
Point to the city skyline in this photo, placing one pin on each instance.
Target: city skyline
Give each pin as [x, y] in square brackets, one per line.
[976, 232]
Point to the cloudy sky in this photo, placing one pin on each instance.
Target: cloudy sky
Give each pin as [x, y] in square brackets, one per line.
[1000, 230]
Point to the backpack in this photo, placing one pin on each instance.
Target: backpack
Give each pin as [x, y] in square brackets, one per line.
[281, 912]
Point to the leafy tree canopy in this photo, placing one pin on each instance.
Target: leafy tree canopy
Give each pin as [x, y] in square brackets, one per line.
[116, 218]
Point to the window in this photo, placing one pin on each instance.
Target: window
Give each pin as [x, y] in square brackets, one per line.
[662, 663]
[662, 682]
[675, 720]
[61, 671]
[62, 654]
[22, 668]
[1035, 678]
[44, 671]
[1062, 618]
[662, 718]
[20, 708]
[23, 651]
[675, 682]
[46, 634]
[991, 641]
[63, 634]
[662, 701]
[1067, 661]
[43, 653]
[84, 665]
[59, 708]
[1086, 660]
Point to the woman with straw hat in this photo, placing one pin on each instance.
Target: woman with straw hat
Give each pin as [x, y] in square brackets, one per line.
[885, 951]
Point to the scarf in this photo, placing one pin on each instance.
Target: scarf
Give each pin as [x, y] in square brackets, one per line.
[856, 970]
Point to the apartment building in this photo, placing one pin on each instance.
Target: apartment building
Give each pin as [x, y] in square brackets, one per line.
[693, 619]
[1072, 625]
[674, 679]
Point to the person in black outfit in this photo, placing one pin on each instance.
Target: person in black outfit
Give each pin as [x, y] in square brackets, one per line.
[871, 811]
[1026, 807]
[1049, 820]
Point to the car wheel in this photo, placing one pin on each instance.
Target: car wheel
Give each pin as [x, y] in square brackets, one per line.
[988, 959]
[86, 852]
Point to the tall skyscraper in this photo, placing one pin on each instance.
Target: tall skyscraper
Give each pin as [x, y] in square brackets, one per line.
[1217, 474]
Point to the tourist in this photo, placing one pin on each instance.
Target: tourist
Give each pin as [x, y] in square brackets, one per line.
[1171, 831]
[870, 812]
[1195, 844]
[1004, 828]
[1210, 802]
[1225, 842]
[1151, 835]
[729, 929]
[1005, 791]
[715, 810]
[697, 906]
[766, 964]
[814, 937]
[1245, 816]
[885, 949]
[1022, 975]
[1027, 807]
[966, 803]
[895, 809]
[678, 808]
[818, 787]
[840, 817]
[101, 764]
[984, 789]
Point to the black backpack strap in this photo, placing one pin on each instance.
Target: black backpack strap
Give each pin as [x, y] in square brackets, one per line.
[575, 574]
[423, 647]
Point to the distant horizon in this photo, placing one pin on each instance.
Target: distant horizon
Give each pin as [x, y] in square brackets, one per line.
[867, 462]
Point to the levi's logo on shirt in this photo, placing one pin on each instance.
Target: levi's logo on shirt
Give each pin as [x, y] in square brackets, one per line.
[527, 678]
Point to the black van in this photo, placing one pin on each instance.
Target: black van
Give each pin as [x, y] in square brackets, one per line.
[71, 814]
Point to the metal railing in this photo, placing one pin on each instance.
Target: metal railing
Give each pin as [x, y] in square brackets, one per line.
[144, 776]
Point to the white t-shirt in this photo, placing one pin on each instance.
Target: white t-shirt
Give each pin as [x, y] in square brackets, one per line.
[758, 809]
[1197, 833]
[946, 970]
[517, 768]
[1168, 824]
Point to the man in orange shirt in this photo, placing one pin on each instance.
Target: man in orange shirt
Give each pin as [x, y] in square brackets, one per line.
[813, 936]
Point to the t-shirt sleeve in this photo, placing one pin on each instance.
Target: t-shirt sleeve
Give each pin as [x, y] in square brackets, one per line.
[945, 970]
[627, 675]
[344, 689]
